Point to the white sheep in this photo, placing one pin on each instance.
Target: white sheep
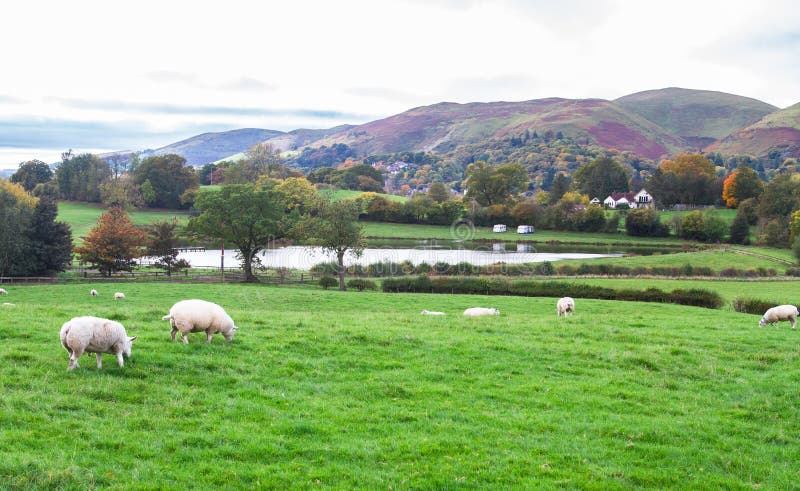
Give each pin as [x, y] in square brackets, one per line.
[119, 295]
[93, 293]
[3, 291]
[430, 312]
[8, 304]
[94, 335]
[565, 306]
[478, 311]
[780, 313]
[198, 315]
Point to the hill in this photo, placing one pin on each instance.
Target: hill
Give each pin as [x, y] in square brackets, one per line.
[210, 147]
[777, 134]
[446, 126]
[298, 138]
[699, 117]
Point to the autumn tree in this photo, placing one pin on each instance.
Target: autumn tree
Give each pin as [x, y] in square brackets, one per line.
[113, 244]
[122, 191]
[245, 215]
[164, 179]
[334, 227]
[31, 173]
[299, 192]
[262, 159]
[438, 192]
[601, 177]
[741, 184]
[162, 245]
[16, 210]
[687, 179]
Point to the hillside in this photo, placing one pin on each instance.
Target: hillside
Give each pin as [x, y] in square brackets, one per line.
[301, 137]
[446, 126]
[778, 132]
[699, 117]
[210, 147]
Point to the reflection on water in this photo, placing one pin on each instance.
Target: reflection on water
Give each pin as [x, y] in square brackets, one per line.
[304, 257]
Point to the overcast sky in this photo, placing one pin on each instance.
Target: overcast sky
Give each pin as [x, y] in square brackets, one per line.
[105, 75]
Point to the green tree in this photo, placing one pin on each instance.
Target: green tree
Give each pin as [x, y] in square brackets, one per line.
[781, 196]
[335, 228]
[245, 215]
[492, 185]
[79, 177]
[16, 210]
[601, 177]
[559, 187]
[123, 192]
[113, 244]
[644, 222]
[162, 244]
[31, 173]
[49, 241]
[438, 192]
[169, 178]
[740, 229]
[262, 159]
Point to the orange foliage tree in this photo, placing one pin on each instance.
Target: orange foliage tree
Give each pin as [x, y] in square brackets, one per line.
[688, 163]
[741, 184]
[114, 244]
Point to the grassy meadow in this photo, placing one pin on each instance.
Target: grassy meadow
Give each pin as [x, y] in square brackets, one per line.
[83, 216]
[317, 389]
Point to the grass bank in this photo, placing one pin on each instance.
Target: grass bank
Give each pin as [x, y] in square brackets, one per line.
[83, 216]
[621, 395]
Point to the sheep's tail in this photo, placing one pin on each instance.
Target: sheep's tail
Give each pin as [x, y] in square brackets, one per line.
[166, 317]
[64, 339]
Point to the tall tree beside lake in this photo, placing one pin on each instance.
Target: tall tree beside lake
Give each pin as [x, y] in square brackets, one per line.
[601, 177]
[79, 177]
[492, 185]
[168, 177]
[162, 244]
[245, 215]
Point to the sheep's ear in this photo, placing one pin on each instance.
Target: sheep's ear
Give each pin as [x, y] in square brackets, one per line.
[234, 329]
[132, 339]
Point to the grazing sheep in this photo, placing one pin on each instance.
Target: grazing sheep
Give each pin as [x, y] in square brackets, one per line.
[565, 306]
[780, 313]
[198, 315]
[8, 304]
[94, 335]
[3, 291]
[93, 293]
[478, 311]
[430, 312]
[119, 295]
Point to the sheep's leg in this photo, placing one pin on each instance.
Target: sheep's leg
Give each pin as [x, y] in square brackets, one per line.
[73, 359]
[120, 362]
[173, 332]
[184, 338]
[99, 360]
[209, 335]
[794, 322]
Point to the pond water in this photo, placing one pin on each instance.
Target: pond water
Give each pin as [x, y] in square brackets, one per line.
[304, 257]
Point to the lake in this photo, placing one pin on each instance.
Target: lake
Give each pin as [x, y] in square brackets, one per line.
[304, 257]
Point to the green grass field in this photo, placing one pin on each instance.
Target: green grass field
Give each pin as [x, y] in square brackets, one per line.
[337, 194]
[83, 216]
[317, 390]
[717, 260]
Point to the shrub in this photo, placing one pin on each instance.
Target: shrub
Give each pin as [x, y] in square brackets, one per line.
[325, 269]
[645, 223]
[545, 268]
[751, 305]
[361, 284]
[328, 281]
[792, 271]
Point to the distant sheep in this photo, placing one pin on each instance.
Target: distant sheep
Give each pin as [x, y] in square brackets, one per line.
[197, 316]
[94, 293]
[119, 295]
[3, 291]
[430, 312]
[94, 335]
[565, 306]
[478, 311]
[8, 304]
[780, 313]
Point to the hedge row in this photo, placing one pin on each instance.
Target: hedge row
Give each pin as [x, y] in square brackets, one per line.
[751, 305]
[391, 269]
[533, 288]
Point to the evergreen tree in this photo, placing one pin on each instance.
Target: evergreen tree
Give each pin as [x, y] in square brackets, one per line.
[49, 241]
[740, 229]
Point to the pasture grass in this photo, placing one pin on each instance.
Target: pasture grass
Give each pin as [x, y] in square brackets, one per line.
[337, 194]
[716, 259]
[357, 390]
[83, 216]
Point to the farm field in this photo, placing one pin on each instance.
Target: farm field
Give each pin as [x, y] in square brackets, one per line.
[412, 231]
[620, 395]
[83, 216]
[337, 194]
[716, 259]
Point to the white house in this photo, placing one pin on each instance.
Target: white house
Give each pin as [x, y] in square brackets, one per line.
[642, 199]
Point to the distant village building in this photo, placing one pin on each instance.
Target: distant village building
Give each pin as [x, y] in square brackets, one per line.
[525, 229]
[499, 228]
[594, 201]
[642, 199]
